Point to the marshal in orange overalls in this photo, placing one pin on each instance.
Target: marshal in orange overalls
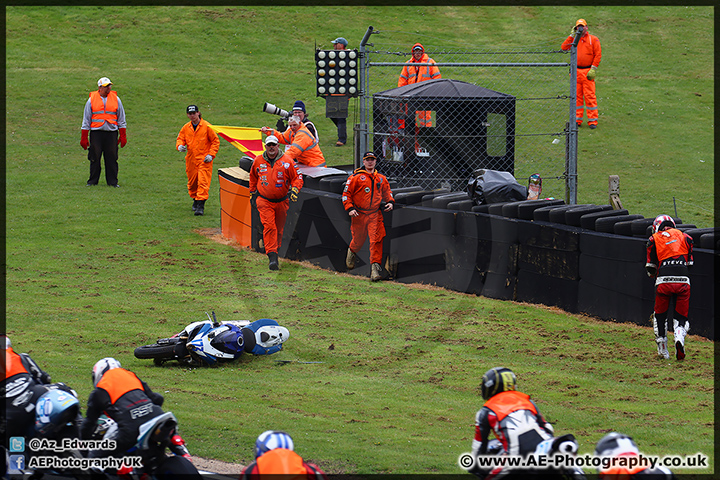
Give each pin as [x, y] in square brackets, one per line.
[589, 55]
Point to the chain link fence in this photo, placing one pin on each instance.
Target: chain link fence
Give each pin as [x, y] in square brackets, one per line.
[496, 108]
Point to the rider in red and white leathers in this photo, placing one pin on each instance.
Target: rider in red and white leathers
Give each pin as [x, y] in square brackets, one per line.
[669, 254]
[511, 416]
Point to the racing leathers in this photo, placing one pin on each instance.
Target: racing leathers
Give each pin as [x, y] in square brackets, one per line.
[22, 385]
[285, 464]
[271, 180]
[669, 254]
[129, 401]
[365, 192]
[515, 421]
[589, 54]
[636, 473]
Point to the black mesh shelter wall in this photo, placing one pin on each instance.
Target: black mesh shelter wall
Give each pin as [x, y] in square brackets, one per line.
[436, 133]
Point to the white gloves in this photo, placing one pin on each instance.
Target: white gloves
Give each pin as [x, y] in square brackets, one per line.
[182, 148]
[208, 158]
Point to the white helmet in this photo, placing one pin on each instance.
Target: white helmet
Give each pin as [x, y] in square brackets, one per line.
[102, 366]
[662, 222]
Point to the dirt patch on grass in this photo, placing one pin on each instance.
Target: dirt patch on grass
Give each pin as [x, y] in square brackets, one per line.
[216, 466]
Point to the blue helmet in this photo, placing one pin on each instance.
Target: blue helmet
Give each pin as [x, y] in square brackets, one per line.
[272, 439]
[54, 410]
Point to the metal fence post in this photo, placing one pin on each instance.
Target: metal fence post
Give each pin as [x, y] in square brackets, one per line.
[571, 160]
[363, 62]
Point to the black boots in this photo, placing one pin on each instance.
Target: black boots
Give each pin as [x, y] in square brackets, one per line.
[273, 258]
[195, 202]
[199, 207]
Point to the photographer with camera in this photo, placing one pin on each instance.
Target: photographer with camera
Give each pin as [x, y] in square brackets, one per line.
[303, 146]
[299, 111]
[588, 60]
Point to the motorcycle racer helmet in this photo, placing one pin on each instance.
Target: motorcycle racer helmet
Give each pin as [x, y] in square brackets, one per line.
[272, 439]
[662, 222]
[5, 342]
[614, 444]
[102, 366]
[497, 380]
[55, 409]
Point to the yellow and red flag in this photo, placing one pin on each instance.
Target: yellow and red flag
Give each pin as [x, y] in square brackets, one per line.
[247, 140]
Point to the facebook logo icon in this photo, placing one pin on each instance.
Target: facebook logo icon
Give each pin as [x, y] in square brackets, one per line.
[17, 463]
[17, 444]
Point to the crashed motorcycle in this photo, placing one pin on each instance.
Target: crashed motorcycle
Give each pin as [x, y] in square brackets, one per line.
[211, 342]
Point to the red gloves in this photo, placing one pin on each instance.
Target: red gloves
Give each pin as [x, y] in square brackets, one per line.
[84, 141]
[123, 138]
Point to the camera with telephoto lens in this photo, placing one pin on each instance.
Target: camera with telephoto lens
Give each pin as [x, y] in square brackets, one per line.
[273, 110]
[580, 29]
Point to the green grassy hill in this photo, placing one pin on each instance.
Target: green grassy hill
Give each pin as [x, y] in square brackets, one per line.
[94, 272]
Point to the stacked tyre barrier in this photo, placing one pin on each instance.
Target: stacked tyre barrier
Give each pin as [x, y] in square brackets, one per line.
[581, 258]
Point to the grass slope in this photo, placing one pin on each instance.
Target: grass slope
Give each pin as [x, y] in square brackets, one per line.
[93, 272]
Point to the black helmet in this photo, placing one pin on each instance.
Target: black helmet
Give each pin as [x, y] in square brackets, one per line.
[497, 380]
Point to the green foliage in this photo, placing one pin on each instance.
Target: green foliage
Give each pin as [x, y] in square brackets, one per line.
[93, 272]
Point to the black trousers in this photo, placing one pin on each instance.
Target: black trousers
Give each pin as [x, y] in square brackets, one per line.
[103, 143]
[341, 124]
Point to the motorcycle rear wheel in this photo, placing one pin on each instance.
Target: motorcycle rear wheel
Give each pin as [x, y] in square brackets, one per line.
[158, 351]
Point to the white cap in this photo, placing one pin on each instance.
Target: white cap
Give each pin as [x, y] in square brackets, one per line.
[271, 139]
[104, 82]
